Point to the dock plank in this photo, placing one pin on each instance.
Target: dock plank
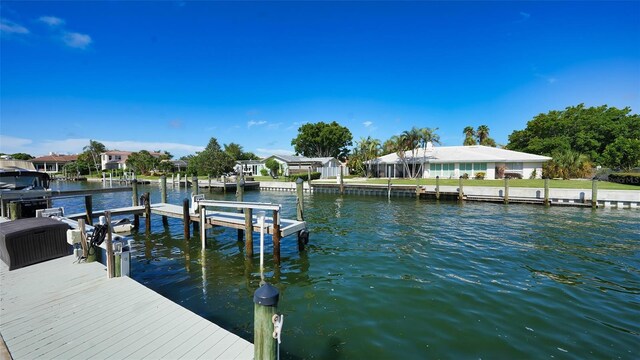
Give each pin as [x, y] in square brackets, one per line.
[58, 309]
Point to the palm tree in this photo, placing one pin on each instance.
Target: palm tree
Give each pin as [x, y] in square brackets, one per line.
[368, 149]
[470, 134]
[411, 140]
[427, 135]
[93, 151]
[482, 133]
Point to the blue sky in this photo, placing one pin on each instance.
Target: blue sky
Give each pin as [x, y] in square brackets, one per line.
[171, 75]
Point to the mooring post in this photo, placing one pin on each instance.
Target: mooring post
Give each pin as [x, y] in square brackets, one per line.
[460, 190]
[224, 184]
[203, 227]
[147, 212]
[240, 198]
[341, 180]
[248, 225]
[83, 239]
[594, 193]
[309, 177]
[134, 202]
[163, 196]
[186, 218]
[506, 190]
[194, 185]
[546, 192]
[276, 236]
[178, 179]
[88, 206]
[417, 186]
[265, 301]
[437, 187]
[299, 200]
[389, 189]
[109, 245]
[15, 210]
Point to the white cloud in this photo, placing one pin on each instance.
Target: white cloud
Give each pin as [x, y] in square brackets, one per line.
[51, 20]
[76, 40]
[10, 27]
[268, 152]
[255, 123]
[367, 123]
[11, 145]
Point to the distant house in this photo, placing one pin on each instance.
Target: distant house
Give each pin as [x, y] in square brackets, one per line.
[251, 167]
[52, 163]
[116, 159]
[291, 165]
[455, 161]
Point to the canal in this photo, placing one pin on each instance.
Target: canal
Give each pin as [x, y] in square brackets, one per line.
[412, 279]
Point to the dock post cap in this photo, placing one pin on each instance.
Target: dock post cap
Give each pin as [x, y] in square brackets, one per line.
[266, 295]
[299, 180]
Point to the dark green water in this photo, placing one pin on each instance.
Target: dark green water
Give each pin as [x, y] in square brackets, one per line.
[415, 279]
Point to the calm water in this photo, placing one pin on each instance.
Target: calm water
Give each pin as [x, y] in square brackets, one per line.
[415, 279]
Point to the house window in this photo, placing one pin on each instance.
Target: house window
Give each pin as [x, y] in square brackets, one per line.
[466, 168]
[448, 170]
[515, 167]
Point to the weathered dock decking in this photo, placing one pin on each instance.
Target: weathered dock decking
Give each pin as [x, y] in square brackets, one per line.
[57, 309]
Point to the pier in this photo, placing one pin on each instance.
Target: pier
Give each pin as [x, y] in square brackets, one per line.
[58, 309]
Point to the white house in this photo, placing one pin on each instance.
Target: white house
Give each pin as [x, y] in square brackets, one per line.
[455, 161]
[118, 159]
[291, 165]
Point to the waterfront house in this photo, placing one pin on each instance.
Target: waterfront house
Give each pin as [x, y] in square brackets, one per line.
[52, 163]
[252, 167]
[291, 165]
[115, 159]
[451, 162]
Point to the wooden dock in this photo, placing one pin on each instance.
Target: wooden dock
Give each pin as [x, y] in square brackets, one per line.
[58, 309]
[213, 218]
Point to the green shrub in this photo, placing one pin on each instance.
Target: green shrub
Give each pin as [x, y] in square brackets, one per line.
[509, 175]
[304, 177]
[534, 174]
[465, 176]
[625, 178]
[480, 175]
[264, 172]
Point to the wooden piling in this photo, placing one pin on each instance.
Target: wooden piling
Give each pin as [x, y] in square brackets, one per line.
[546, 192]
[186, 218]
[224, 184]
[134, 202]
[147, 212]
[15, 210]
[240, 198]
[203, 227]
[594, 193]
[265, 301]
[460, 190]
[417, 186]
[276, 236]
[248, 225]
[83, 239]
[88, 206]
[299, 200]
[109, 245]
[388, 189]
[437, 187]
[506, 190]
[163, 196]
[341, 180]
[194, 185]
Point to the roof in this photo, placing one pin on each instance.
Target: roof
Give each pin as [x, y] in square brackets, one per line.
[55, 158]
[118, 152]
[475, 153]
[291, 159]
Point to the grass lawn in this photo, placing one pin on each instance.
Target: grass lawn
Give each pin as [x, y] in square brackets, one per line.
[537, 183]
